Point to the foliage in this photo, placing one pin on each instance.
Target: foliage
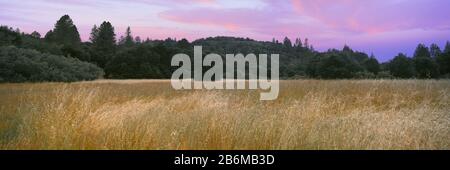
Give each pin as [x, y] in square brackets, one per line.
[401, 66]
[24, 65]
[103, 44]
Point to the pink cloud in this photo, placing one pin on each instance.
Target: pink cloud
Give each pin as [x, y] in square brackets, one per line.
[375, 16]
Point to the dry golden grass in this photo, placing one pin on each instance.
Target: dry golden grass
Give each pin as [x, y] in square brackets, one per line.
[309, 114]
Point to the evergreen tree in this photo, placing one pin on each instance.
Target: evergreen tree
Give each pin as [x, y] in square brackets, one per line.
[104, 44]
[422, 51]
[94, 34]
[372, 65]
[65, 32]
[447, 47]
[9, 37]
[298, 43]
[35, 34]
[347, 49]
[306, 44]
[435, 51]
[443, 61]
[128, 40]
[287, 42]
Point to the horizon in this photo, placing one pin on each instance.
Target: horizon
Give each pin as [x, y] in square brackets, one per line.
[397, 29]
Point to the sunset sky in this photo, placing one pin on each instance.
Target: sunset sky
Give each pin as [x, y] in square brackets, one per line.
[382, 27]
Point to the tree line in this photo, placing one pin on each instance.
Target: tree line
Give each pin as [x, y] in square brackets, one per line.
[60, 55]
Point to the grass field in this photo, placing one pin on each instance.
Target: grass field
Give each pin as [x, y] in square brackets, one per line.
[309, 114]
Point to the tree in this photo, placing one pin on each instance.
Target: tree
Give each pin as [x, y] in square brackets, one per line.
[128, 40]
[401, 66]
[337, 67]
[136, 62]
[298, 43]
[49, 36]
[35, 34]
[447, 47]
[435, 51]
[422, 51]
[183, 43]
[372, 65]
[66, 35]
[443, 60]
[94, 34]
[287, 42]
[347, 49]
[425, 66]
[65, 32]
[138, 40]
[9, 37]
[306, 44]
[103, 44]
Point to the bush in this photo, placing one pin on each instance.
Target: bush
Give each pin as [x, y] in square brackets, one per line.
[24, 65]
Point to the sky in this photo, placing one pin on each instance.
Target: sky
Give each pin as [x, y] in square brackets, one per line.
[381, 27]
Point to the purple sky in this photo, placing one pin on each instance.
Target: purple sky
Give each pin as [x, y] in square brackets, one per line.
[382, 27]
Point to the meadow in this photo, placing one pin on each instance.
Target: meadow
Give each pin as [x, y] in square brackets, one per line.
[149, 114]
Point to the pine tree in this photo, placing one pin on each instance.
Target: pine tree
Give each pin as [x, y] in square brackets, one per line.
[435, 51]
[372, 65]
[287, 42]
[65, 32]
[306, 44]
[447, 47]
[94, 34]
[298, 43]
[128, 40]
[104, 43]
[443, 61]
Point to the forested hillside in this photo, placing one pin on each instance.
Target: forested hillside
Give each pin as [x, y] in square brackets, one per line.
[60, 55]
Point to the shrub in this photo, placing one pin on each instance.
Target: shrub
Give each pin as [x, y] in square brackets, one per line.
[24, 65]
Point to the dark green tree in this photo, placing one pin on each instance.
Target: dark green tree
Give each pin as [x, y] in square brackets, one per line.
[287, 42]
[422, 51]
[103, 44]
[347, 49]
[401, 66]
[94, 34]
[424, 65]
[128, 40]
[9, 37]
[435, 51]
[372, 65]
[65, 32]
[336, 67]
[136, 62]
[306, 44]
[35, 34]
[447, 47]
[183, 43]
[443, 60]
[298, 43]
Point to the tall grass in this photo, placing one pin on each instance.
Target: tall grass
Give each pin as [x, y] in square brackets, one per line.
[309, 114]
